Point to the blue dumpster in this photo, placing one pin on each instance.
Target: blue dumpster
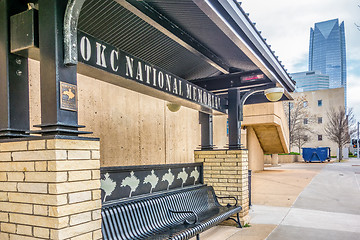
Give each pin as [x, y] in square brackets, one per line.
[316, 154]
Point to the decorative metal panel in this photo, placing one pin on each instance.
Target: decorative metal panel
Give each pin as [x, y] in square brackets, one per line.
[130, 181]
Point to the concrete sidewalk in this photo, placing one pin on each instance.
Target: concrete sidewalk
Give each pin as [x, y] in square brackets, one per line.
[328, 208]
[301, 201]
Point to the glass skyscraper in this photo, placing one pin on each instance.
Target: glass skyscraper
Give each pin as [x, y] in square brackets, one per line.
[327, 52]
[310, 81]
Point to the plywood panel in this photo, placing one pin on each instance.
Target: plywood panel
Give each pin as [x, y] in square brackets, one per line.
[182, 135]
[134, 129]
[130, 125]
[151, 130]
[220, 131]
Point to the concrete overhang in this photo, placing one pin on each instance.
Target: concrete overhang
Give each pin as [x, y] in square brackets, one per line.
[270, 125]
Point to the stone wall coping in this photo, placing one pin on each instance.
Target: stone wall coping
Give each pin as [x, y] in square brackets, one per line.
[75, 147]
[36, 138]
[220, 151]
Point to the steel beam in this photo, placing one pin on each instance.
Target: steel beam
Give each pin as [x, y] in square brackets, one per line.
[14, 86]
[232, 80]
[206, 122]
[233, 119]
[55, 119]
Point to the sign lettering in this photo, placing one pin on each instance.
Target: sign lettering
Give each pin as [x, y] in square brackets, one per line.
[106, 57]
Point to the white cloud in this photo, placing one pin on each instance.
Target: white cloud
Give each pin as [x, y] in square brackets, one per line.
[286, 26]
[353, 94]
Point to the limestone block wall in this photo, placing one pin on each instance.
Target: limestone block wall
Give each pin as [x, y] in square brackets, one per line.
[50, 189]
[227, 172]
[256, 153]
[284, 159]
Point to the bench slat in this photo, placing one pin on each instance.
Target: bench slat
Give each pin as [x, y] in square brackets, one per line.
[149, 217]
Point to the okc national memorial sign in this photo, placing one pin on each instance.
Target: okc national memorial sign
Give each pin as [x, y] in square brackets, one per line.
[110, 59]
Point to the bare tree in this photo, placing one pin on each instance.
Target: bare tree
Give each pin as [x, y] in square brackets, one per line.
[357, 25]
[301, 136]
[299, 122]
[341, 127]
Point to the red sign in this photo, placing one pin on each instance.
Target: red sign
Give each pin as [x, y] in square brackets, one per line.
[253, 77]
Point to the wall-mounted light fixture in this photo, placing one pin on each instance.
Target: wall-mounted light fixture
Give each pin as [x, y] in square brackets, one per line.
[236, 106]
[173, 107]
[274, 94]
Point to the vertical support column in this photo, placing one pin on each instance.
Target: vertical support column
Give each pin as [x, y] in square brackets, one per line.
[274, 159]
[50, 189]
[357, 143]
[206, 122]
[234, 121]
[14, 87]
[227, 172]
[58, 82]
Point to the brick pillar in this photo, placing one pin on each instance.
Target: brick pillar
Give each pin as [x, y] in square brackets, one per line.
[50, 189]
[227, 172]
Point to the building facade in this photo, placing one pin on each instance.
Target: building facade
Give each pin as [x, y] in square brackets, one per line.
[327, 53]
[310, 81]
[113, 68]
[318, 104]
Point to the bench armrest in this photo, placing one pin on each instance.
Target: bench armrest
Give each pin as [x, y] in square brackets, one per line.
[229, 205]
[187, 221]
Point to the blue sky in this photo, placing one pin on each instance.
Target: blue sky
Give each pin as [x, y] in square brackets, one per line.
[286, 26]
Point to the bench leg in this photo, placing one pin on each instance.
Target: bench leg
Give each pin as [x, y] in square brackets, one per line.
[197, 236]
[237, 220]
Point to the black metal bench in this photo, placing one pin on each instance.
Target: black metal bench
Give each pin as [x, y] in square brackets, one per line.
[176, 214]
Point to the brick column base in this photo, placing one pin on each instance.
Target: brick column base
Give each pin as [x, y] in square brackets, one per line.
[50, 189]
[227, 172]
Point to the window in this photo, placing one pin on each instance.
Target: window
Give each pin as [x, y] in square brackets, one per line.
[319, 103]
[319, 137]
[305, 103]
[319, 120]
[306, 121]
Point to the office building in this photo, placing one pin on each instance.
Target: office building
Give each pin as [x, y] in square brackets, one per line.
[327, 52]
[318, 104]
[310, 81]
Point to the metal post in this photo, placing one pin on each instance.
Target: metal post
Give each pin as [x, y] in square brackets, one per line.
[357, 153]
[206, 123]
[290, 125]
[235, 112]
[234, 121]
[14, 86]
[58, 82]
[249, 186]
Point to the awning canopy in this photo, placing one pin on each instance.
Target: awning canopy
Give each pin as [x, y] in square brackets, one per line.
[211, 43]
